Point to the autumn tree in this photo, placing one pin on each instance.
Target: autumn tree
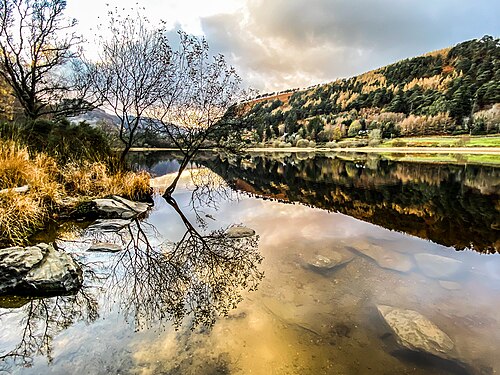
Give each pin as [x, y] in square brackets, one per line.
[36, 47]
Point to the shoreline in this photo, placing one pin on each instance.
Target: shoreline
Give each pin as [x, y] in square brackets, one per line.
[402, 150]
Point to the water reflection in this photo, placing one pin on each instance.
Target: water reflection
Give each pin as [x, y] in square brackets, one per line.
[199, 277]
[153, 281]
[452, 205]
[316, 311]
[38, 321]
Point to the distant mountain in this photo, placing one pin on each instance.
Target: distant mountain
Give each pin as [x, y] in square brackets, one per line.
[451, 91]
[97, 116]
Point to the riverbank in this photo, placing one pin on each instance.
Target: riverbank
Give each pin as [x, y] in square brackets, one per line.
[35, 188]
[406, 150]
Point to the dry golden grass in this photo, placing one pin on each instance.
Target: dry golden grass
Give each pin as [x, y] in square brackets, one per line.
[15, 164]
[95, 179]
[23, 213]
[20, 216]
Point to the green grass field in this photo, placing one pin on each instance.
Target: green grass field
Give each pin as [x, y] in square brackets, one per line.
[445, 141]
[493, 160]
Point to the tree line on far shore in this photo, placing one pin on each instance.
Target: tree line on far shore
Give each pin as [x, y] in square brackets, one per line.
[451, 91]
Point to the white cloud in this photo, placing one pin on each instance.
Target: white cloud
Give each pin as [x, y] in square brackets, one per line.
[279, 44]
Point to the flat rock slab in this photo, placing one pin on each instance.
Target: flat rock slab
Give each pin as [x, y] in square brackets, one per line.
[385, 258]
[415, 332]
[105, 247]
[110, 225]
[239, 232]
[117, 207]
[450, 285]
[334, 260]
[438, 267]
[37, 271]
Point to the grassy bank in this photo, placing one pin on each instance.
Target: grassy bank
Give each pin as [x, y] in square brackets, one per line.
[53, 188]
[444, 141]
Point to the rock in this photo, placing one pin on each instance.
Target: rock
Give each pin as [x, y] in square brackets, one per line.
[450, 285]
[57, 273]
[119, 208]
[415, 332]
[385, 258]
[19, 190]
[105, 247]
[438, 267]
[109, 225]
[239, 232]
[321, 263]
[19, 260]
[38, 270]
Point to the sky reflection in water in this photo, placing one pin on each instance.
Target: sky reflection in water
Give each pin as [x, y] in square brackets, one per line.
[299, 320]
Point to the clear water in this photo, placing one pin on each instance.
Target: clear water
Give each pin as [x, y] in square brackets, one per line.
[263, 305]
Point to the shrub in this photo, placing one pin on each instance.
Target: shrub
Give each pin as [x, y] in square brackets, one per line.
[67, 142]
[331, 144]
[302, 143]
[354, 128]
[312, 144]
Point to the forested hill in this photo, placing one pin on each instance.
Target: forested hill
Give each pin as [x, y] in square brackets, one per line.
[451, 91]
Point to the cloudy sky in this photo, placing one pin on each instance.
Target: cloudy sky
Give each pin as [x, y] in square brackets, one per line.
[279, 44]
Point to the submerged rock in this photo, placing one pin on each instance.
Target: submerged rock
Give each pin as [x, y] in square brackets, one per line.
[38, 270]
[105, 247]
[239, 232]
[437, 266]
[450, 285]
[415, 332]
[386, 258]
[334, 260]
[109, 225]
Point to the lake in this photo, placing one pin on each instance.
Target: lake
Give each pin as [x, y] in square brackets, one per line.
[341, 239]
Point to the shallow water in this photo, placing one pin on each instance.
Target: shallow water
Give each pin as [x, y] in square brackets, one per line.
[140, 314]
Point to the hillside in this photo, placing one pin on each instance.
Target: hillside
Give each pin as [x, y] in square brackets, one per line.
[450, 91]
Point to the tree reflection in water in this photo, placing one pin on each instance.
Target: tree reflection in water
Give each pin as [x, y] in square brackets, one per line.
[40, 320]
[201, 276]
[191, 281]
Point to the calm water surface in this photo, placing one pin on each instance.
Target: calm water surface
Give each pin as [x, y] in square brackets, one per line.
[182, 298]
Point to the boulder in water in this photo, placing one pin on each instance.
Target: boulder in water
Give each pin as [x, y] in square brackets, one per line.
[38, 270]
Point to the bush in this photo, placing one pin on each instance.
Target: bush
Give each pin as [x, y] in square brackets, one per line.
[354, 128]
[312, 144]
[66, 142]
[331, 144]
[302, 143]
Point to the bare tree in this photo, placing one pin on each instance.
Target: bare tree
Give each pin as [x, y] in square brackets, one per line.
[194, 112]
[36, 46]
[132, 72]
